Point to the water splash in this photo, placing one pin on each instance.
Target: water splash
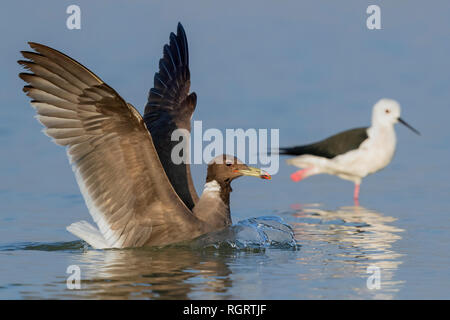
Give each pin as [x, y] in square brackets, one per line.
[254, 233]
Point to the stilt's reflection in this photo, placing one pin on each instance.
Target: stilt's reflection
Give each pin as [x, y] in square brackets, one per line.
[351, 239]
[167, 273]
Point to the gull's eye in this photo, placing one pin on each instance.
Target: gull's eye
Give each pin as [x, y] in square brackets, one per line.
[387, 110]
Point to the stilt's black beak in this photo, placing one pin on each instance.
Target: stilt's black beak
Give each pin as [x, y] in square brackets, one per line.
[408, 126]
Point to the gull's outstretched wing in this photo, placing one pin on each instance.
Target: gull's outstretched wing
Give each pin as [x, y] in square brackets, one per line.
[170, 107]
[111, 152]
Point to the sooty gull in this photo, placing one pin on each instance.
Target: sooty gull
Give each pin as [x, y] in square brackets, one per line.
[170, 107]
[352, 154]
[115, 161]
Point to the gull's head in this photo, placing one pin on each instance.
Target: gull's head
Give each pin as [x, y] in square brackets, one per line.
[386, 112]
[225, 168]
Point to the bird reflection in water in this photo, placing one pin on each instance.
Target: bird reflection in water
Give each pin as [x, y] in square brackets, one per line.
[147, 273]
[347, 241]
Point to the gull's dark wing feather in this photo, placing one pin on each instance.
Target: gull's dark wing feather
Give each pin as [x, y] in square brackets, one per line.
[170, 107]
[111, 152]
[331, 147]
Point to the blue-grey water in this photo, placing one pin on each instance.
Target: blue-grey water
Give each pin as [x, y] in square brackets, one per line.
[308, 68]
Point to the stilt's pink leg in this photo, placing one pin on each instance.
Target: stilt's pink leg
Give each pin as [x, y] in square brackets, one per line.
[299, 175]
[356, 193]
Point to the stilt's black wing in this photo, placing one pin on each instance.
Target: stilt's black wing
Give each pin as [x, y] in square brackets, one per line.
[332, 146]
[170, 107]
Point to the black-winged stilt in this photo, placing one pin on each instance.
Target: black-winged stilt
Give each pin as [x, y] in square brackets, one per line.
[352, 154]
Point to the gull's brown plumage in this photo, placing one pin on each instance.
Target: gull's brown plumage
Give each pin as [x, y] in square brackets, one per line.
[111, 152]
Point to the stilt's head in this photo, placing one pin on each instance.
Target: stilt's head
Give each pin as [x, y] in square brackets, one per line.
[386, 112]
[225, 168]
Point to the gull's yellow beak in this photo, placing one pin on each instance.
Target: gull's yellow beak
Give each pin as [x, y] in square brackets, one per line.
[254, 172]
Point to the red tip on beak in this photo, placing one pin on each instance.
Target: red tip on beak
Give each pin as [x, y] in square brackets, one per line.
[266, 176]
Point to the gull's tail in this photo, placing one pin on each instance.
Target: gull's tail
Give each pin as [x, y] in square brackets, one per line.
[87, 232]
